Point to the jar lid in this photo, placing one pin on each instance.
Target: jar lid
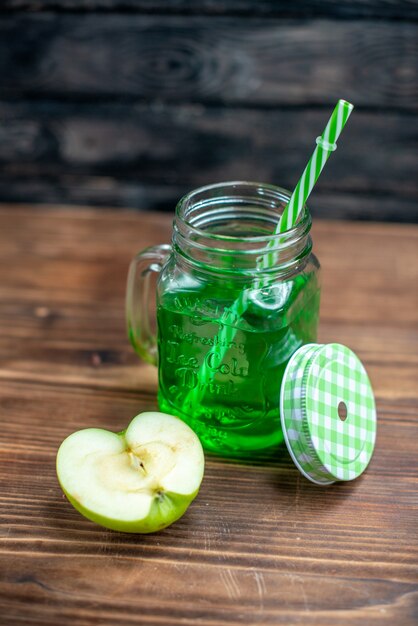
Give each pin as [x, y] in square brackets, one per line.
[328, 413]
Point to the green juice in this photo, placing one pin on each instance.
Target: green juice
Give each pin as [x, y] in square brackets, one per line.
[225, 382]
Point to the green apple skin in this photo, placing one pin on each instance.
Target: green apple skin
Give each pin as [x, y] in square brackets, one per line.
[139, 480]
[174, 506]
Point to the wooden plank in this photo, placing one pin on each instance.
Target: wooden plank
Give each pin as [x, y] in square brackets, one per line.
[112, 191]
[188, 146]
[51, 315]
[220, 60]
[283, 590]
[316, 556]
[260, 544]
[97, 364]
[399, 9]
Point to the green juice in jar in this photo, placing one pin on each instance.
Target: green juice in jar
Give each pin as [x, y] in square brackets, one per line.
[235, 300]
[234, 406]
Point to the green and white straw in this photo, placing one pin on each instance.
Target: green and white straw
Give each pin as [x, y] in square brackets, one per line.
[325, 145]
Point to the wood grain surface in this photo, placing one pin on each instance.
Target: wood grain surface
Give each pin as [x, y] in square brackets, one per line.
[130, 103]
[260, 545]
[221, 60]
[392, 9]
[155, 154]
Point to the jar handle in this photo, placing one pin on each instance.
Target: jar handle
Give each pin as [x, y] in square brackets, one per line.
[143, 265]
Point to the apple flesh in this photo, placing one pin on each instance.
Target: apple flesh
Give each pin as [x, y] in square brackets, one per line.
[140, 480]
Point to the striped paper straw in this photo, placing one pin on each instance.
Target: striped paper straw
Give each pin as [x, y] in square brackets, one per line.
[325, 145]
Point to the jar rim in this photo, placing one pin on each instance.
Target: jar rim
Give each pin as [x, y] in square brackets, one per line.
[278, 193]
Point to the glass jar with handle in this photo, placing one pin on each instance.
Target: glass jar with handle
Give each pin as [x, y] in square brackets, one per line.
[227, 323]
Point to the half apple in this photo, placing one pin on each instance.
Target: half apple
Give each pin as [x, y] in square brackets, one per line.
[140, 480]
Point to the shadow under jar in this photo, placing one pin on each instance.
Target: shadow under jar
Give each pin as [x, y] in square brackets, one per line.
[234, 302]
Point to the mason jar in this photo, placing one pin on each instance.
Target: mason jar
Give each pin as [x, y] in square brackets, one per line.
[234, 300]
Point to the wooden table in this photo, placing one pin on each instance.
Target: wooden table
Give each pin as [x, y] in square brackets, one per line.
[260, 545]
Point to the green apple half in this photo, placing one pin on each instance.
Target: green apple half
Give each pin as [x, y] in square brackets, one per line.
[140, 480]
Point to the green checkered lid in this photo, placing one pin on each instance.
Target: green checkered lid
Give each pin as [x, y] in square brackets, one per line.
[328, 413]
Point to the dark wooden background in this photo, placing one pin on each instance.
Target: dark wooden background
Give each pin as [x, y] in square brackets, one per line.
[133, 102]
